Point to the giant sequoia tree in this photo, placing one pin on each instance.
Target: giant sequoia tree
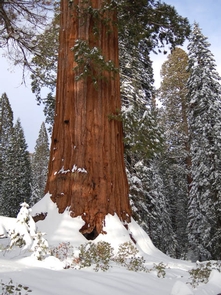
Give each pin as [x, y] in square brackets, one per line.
[86, 167]
[176, 162]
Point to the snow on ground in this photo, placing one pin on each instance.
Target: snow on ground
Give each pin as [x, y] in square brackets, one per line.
[5, 224]
[49, 277]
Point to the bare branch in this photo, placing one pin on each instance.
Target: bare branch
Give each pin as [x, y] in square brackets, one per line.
[20, 23]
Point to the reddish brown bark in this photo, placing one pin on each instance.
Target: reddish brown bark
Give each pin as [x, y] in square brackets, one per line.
[86, 167]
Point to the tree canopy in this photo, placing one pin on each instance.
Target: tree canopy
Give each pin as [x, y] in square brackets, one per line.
[175, 163]
[205, 127]
[143, 27]
[39, 165]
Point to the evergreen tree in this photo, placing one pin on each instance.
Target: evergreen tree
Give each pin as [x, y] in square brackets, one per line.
[143, 141]
[176, 162]
[6, 121]
[141, 131]
[25, 228]
[24, 234]
[17, 177]
[204, 225]
[150, 206]
[6, 130]
[39, 165]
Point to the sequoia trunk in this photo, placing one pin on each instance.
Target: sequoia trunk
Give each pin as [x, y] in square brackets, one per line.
[86, 167]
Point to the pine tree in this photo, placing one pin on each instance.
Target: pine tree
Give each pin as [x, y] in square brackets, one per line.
[39, 165]
[25, 228]
[6, 130]
[25, 234]
[143, 142]
[17, 177]
[176, 162]
[204, 225]
[6, 121]
[150, 206]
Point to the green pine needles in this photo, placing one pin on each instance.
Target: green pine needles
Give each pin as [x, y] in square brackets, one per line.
[90, 62]
[98, 16]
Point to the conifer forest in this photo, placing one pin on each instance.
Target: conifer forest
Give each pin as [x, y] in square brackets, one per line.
[147, 153]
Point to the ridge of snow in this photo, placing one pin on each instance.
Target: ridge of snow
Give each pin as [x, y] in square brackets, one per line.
[25, 269]
[56, 225]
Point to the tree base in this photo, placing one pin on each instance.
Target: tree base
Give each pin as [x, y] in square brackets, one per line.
[61, 228]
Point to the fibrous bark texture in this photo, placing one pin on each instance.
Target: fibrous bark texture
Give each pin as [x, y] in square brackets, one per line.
[86, 167]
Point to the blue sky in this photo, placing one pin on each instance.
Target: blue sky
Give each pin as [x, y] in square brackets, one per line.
[205, 12]
[22, 101]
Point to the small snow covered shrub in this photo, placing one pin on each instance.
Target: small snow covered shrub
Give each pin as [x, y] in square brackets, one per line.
[40, 246]
[25, 234]
[160, 268]
[99, 254]
[24, 229]
[12, 288]
[128, 257]
[201, 273]
[62, 251]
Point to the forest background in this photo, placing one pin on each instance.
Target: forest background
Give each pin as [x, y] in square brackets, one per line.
[157, 148]
[206, 13]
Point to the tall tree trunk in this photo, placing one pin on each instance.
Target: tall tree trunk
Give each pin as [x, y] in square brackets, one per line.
[86, 167]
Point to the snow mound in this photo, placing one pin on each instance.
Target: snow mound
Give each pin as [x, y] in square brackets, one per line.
[25, 269]
[6, 223]
[44, 205]
[215, 278]
[58, 227]
[63, 228]
[181, 288]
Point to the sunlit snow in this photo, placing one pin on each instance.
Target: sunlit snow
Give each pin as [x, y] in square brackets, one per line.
[48, 276]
